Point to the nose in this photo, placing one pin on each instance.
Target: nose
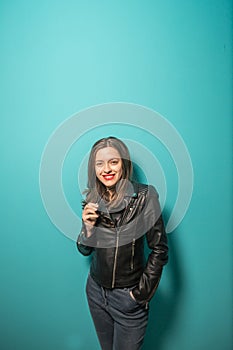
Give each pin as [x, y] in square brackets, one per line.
[107, 168]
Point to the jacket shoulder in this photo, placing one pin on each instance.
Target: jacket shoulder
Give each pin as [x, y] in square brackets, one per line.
[143, 189]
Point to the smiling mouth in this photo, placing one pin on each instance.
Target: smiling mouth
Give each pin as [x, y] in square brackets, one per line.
[108, 177]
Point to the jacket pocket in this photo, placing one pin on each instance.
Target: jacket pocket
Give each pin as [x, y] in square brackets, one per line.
[132, 255]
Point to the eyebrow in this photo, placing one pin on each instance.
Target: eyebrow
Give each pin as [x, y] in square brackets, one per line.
[101, 160]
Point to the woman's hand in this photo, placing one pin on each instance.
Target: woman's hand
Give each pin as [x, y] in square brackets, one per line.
[89, 214]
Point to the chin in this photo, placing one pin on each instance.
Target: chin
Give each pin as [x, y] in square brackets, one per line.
[110, 183]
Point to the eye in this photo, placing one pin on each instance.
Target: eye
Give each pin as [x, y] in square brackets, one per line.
[99, 164]
[114, 162]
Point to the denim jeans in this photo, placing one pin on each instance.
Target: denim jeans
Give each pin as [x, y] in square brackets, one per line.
[120, 322]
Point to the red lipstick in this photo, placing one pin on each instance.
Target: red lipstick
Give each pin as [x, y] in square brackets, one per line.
[108, 177]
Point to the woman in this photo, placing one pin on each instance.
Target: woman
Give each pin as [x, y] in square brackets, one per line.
[118, 215]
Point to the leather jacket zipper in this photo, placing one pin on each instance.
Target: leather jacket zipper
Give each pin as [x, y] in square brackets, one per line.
[115, 262]
[117, 245]
[116, 251]
[132, 255]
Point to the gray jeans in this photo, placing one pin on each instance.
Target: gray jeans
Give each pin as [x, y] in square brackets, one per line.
[120, 322]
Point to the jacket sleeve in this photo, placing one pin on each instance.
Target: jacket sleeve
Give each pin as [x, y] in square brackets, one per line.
[158, 257]
[82, 242]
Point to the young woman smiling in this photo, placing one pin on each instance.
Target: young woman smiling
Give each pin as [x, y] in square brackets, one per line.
[118, 215]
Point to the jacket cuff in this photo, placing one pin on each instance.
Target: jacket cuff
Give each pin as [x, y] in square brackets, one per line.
[84, 240]
[144, 292]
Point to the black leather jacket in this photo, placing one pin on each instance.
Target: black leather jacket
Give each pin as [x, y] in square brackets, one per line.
[117, 245]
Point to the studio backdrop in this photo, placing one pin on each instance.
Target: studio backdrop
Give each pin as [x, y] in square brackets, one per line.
[156, 74]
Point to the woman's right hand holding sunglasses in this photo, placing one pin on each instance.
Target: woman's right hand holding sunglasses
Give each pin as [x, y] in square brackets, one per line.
[89, 214]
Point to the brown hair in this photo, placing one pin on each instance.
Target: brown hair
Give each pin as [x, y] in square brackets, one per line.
[95, 188]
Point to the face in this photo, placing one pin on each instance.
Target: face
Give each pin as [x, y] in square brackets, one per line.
[108, 166]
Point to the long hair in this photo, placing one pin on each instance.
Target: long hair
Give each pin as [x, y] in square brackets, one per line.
[95, 188]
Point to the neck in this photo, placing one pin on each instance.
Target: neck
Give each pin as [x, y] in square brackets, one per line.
[111, 191]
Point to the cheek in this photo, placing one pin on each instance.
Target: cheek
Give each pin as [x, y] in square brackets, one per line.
[97, 172]
[119, 171]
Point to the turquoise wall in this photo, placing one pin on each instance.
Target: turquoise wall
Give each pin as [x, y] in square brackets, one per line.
[59, 57]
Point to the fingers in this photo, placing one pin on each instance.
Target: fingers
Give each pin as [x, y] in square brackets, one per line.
[89, 215]
[91, 205]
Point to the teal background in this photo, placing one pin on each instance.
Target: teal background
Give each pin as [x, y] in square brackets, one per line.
[59, 57]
